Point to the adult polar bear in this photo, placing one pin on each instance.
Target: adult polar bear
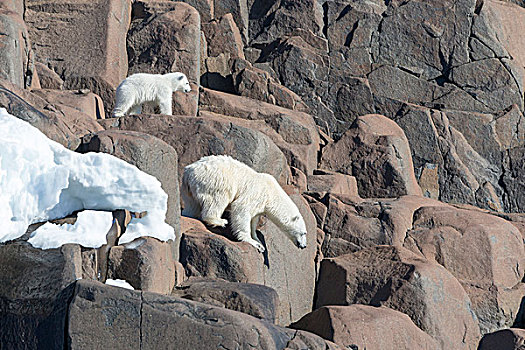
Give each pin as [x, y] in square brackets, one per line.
[215, 183]
[141, 88]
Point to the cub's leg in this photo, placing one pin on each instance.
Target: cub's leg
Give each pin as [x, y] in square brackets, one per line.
[242, 225]
[212, 207]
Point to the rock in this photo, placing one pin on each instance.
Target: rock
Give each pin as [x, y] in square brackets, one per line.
[48, 78]
[208, 136]
[104, 43]
[164, 39]
[331, 182]
[293, 132]
[223, 36]
[17, 59]
[33, 302]
[513, 178]
[239, 11]
[258, 84]
[149, 154]
[126, 318]
[483, 252]
[60, 123]
[375, 150]
[291, 272]
[505, 339]
[401, 280]
[186, 103]
[83, 101]
[205, 8]
[366, 327]
[269, 23]
[252, 299]
[146, 263]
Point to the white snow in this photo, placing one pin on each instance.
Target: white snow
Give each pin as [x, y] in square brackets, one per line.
[119, 283]
[41, 180]
[89, 230]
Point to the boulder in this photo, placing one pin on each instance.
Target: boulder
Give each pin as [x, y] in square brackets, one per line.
[485, 253]
[58, 122]
[283, 267]
[194, 138]
[223, 36]
[239, 11]
[124, 319]
[55, 39]
[375, 150]
[252, 299]
[48, 78]
[366, 327]
[332, 182]
[293, 132]
[17, 59]
[401, 280]
[83, 101]
[505, 339]
[164, 39]
[33, 296]
[146, 264]
[149, 154]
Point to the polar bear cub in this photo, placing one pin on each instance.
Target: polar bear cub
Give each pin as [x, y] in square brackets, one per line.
[215, 183]
[156, 89]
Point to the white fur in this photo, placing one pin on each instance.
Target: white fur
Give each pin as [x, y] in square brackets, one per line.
[156, 89]
[215, 183]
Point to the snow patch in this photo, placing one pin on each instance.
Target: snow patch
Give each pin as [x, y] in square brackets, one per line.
[119, 283]
[41, 180]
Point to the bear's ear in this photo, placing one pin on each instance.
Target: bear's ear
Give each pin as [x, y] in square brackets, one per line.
[295, 218]
[181, 77]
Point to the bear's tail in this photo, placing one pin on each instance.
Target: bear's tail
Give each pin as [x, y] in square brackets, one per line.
[191, 206]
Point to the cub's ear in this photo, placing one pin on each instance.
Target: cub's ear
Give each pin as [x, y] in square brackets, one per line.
[181, 77]
[295, 218]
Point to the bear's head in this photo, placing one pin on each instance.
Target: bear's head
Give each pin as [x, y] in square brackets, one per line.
[296, 231]
[179, 82]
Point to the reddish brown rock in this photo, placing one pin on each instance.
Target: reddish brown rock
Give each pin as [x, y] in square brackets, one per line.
[60, 123]
[485, 253]
[48, 78]
[403, 281]
[223, 36]
[17, 63]
[293, 132]
[375, 150]
[94, 29]
[252, 299]
[283, 267]
[83, 101]
[121, 319]
[331, 182]
[505, 339]
[165, 38]
[194, 138]
[146, 263]
[239, 10]
[366, 327]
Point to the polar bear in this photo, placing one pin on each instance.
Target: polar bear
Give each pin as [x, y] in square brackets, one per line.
[141, 88]
[216, 183]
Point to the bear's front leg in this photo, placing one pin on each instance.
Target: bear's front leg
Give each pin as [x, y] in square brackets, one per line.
[242, 226]
[165, 102]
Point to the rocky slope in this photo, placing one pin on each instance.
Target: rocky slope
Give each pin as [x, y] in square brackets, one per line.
[397, 127]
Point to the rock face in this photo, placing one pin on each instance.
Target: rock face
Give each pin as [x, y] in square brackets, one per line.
[64, 46]
[398, 279]
[366, 327]
[375, 151]
[17, 59]
[283, 267]
[194, 138]
[483, 252]
[157, 321]
[252, 299]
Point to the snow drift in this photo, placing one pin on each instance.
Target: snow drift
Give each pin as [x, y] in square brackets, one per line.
[41, 180]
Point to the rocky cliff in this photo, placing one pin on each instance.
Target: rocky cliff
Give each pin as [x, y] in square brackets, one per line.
[397, 127]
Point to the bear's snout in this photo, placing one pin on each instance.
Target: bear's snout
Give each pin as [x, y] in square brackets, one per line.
[301, 241]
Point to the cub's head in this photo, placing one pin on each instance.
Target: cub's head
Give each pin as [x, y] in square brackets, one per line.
[296, 231]
[180, 82]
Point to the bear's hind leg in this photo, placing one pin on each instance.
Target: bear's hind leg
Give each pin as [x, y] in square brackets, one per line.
[192, 209]
[122, 105]
[212, 208]
[243, 226]
[135, 109]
